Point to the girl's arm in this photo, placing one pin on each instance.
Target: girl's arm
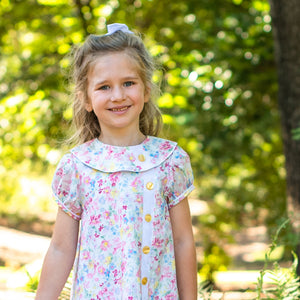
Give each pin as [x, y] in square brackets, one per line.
[185, 253]
[59, 258]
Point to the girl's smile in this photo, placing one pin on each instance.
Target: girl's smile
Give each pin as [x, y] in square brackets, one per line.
[116, 94]
[119, 109]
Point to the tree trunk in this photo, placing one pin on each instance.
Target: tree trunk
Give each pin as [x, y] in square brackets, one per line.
[286, 27]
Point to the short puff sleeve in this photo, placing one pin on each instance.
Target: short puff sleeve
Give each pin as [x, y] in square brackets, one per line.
[180, 177]
[66, 187]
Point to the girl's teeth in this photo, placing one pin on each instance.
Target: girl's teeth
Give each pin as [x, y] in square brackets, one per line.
[119, 109]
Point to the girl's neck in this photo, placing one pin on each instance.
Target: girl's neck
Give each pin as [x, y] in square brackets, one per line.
[122, 140]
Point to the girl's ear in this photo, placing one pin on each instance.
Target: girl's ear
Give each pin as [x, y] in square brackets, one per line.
[87, 104]
[147, 94]
[88, 107]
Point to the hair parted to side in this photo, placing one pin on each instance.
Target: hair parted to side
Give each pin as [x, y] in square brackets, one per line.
[86, 123]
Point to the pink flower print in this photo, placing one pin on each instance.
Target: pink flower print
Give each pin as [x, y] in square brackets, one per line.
[87, 283]
[165, 146]
[123, 266]
[115, 272]
[120, 154]
[155, 223]
[101, 270]
[116, 218]
[109, 153]
[135, 182]
[86, 255]
[106, 214]
[125, 207]
[65, 193]
[101, 228]
[94, 220]
[102, 293]
[153, 160]
[166, 274]
[88, 161]
[138, 273]
[165, 181]
[167, 165]
[106, 190]
[92, 270]
[86, 179]
[158, 242]
[117, 280]
[131, 157]
[104, 245]
[113, 178]
[139, 199]
[60, 172]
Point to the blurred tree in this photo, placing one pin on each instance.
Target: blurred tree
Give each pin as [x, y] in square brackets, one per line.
[286, 22]
[34, 37]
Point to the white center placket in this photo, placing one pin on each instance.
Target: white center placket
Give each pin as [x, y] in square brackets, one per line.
[148, 208]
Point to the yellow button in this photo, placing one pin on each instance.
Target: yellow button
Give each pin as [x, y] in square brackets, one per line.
[148, 218]
[146, 250]
[141, 157]
[149, 185]
[144, 280]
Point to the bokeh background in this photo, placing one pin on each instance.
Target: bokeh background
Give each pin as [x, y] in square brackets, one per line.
[219, 102]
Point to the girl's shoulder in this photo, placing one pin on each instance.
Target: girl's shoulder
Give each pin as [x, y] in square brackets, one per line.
[152, 152]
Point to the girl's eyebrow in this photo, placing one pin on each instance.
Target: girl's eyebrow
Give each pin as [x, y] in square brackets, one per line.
[100, 82]
[130, 77]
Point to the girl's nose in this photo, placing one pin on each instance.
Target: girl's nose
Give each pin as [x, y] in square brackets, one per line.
[117, 94]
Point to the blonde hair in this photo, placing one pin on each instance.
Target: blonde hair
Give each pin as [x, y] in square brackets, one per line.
[86, 123]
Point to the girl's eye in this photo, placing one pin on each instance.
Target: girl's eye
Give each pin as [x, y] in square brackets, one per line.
[103, 87]
[128, 83]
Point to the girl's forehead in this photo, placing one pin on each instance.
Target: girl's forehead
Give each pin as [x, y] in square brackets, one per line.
[118, 57]
[121, 60]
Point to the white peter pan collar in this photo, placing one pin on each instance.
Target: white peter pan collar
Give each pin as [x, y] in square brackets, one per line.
[107, 158]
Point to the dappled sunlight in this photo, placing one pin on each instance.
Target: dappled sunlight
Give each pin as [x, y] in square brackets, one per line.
[35, 189]
[31, 196]
[219, 101]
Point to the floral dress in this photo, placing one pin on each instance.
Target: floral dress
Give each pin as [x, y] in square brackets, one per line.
[122, 196]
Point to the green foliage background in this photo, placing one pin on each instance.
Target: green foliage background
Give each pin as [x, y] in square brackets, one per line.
[219, 98]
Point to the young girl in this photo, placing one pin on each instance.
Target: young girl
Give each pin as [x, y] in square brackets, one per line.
[127, 188]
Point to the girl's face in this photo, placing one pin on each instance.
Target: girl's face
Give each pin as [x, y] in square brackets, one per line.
[116, 94]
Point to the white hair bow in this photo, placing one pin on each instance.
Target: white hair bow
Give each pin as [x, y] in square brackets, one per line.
[112, 28]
